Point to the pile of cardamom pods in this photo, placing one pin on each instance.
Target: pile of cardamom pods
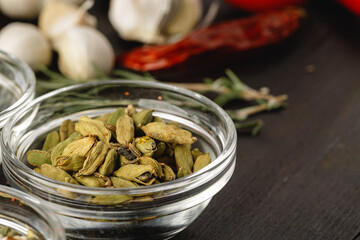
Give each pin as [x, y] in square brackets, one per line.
[122, 149]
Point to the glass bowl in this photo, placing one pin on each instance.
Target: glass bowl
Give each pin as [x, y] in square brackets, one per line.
[17, 85]
[174, 204]
[26, 215]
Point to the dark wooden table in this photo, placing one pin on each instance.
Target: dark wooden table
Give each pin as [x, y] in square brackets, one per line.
[299, 178]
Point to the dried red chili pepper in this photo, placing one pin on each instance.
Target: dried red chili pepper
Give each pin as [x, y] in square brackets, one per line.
[237, 35]
[352, 5]
[261, 5]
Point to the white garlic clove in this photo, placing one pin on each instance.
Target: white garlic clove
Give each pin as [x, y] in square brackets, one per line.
[140, 20]
[58, 16]
[21, 9]
[26, 41]
[188, 15]
[81, 49]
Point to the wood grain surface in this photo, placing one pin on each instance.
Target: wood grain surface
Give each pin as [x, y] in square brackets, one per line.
[299, 178]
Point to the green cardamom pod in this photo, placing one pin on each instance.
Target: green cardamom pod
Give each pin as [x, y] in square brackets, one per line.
[142, 118]
[110, 199]
[66, 129]
[115, 116]
[169, 174]
[107, 180]
[87, 126]
[104, 118]
[134, 151]
[51, 140]
[145, 160]
[112, 128]
[168, 133]
[146, 179]
[38, 157]
[160, 149]
[146, 145]
[143, 174]
[71, 163]
[125, 161]
[95, 158]
[201, 161]
[81, 146]
[183, 156]
[125, 129]
[90, 181]
[59, 148]
[196, 152]
[57, 174]
[122, 183]
[182, 172]
[109, 164]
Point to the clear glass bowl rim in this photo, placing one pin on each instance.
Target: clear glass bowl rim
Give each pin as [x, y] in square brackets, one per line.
[53, 222]
[216, 166]
[29, 90]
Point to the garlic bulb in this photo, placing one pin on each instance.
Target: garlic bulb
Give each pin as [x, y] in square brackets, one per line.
[140, 20]
[21, 9]
[25, 41]
[82, 47]
[58, 16]
[186, 18]
[153, 21]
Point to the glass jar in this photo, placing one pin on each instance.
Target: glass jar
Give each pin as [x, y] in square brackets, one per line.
[174, 204]
[17, 85]
[26, 215]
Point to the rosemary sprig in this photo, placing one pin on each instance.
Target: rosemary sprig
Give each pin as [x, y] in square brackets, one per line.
[253, 126]
[227, 88]
[230, 88]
